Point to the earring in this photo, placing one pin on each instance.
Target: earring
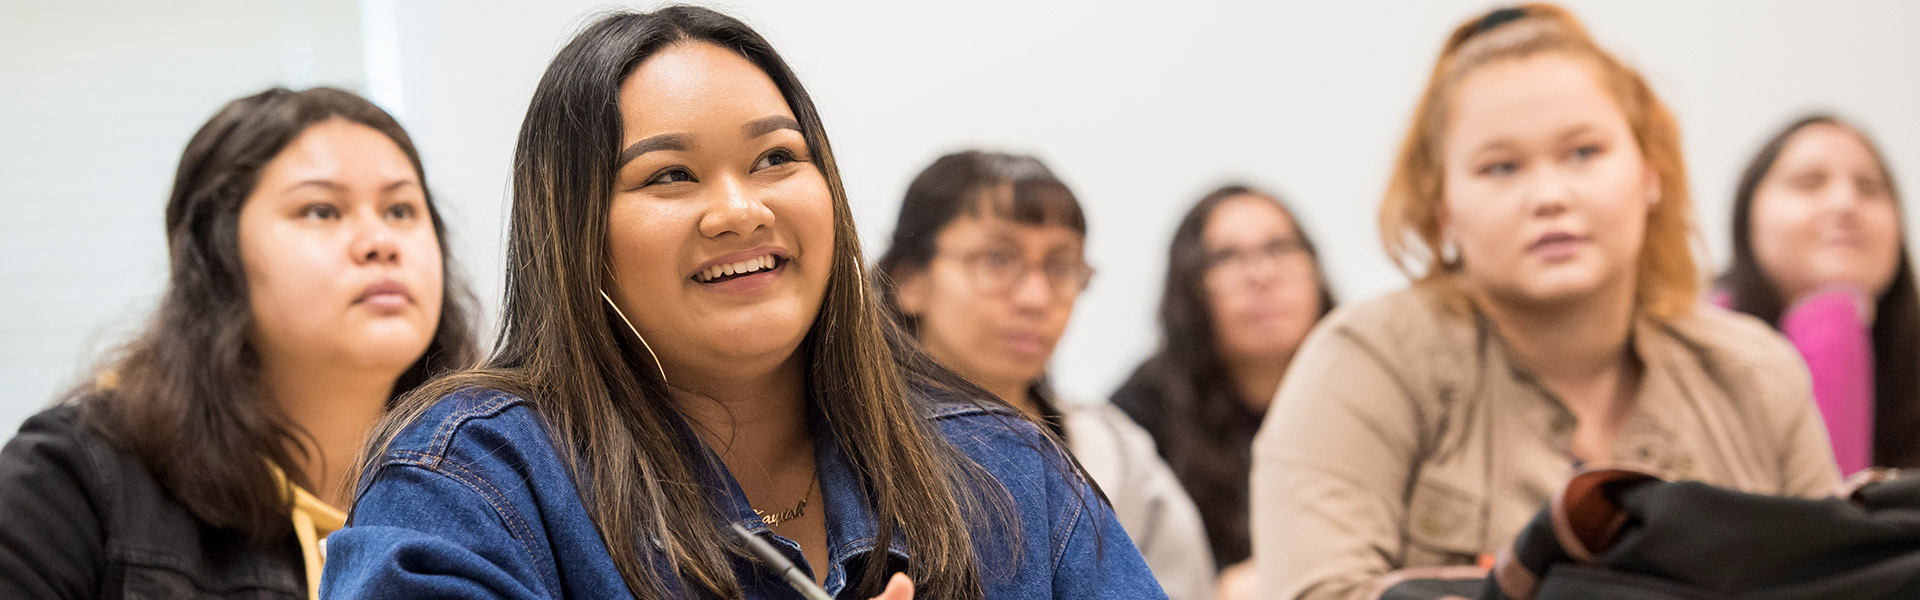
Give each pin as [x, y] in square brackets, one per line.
[636, 333]
[1449, 253]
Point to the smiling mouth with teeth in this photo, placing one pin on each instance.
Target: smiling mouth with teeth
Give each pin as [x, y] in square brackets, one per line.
[725, 272]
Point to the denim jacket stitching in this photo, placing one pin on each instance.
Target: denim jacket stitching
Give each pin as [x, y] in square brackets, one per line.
[516, 525]
[952, 412]
[1066, 537]
[452, 422]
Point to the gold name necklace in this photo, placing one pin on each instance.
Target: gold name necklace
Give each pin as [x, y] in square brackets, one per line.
[773, 519]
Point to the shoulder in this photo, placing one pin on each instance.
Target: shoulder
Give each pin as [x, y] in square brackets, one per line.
[54, 444]
[461, 417]
[1743, 356]
[1104, 426]
[985, 421]
[1116, 452]
[1143, 396]
[1737, 351]
[1401, 320]
[1719, 335]
[488, 440]
[60, 428]
[1406, 341]
[58, 443]
[999, 438]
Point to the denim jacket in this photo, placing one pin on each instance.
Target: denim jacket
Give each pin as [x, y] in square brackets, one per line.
[472, 501]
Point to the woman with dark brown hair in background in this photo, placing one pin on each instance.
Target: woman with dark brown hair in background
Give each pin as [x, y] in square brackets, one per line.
[310, 287]
[1540, 202]
[1243, 287]
[1819, 252]
[987, 262]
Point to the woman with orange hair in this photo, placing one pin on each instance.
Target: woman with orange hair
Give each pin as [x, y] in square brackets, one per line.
[1540, 203]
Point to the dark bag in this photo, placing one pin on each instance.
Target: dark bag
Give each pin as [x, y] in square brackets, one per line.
[1619, 534]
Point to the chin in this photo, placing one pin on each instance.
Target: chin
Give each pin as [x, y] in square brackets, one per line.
[389, 357]
[1560, 293]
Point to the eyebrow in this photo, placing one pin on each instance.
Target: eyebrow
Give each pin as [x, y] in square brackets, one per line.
[1495, 145]
[1577, 131]
[674, 141]
[1561, 137]
[665, 141]
[335, 186]
[328, 184]
[765, 125]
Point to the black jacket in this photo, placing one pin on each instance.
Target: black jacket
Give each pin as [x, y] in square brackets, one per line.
[81, 519]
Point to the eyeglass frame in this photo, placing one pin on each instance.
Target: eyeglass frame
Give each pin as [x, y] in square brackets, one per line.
[1069, 284]
[1239, 262]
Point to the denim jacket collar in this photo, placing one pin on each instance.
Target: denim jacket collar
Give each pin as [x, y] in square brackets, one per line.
[851, 526]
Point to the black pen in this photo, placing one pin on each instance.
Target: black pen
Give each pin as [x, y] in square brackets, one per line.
[800, 581]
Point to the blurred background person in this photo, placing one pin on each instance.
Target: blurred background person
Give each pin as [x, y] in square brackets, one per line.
[984, 268]
[1540, 200]
[310, 286]
[1243, 286]
[1820, 253]
[459, 77]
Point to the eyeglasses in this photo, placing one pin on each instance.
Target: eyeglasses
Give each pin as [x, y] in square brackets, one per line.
[1279, 255]
[997, 271]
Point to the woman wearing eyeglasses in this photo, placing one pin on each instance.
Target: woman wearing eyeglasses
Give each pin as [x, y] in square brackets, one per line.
[1243, 288]
[986, 262]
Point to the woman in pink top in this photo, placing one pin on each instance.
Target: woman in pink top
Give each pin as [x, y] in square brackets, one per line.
[1818, 251]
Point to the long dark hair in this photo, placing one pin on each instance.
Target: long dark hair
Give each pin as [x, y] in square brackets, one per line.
[184, 395]
[1188, 375]
[1896, 326]
[1015, 187]
[562, 348]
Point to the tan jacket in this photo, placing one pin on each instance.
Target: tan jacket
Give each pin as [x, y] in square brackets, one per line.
[1405, 436]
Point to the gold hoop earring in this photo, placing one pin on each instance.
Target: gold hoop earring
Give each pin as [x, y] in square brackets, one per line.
[636, 333]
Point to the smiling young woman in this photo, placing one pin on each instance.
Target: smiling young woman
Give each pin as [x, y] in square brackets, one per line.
[690, 344]
[309, 287]
[1819, 251]
[1540, 201]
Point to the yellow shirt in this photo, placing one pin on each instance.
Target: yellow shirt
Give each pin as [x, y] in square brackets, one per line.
[313, 521]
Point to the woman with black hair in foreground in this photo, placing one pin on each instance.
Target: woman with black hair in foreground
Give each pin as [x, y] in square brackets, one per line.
[690, 344]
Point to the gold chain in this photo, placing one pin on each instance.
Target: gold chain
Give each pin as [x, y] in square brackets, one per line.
[773, 519]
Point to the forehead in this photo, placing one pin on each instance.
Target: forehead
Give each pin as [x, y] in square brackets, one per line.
[1537, 96]
[968, 229]
[338, 148]
[1246, 218]
[1823, 142]
[688, 86]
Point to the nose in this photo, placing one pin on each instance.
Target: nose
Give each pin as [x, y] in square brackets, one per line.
[1034, 292]
[374, 242]
[737, 209]
[1843, 196]
[1547, 193]
[1263, 273]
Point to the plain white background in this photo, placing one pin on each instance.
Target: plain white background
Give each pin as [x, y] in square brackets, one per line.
[1140, 106]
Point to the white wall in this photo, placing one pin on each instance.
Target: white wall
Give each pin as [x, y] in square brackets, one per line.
[97, 100]
[1140, 106]
[1143, 106]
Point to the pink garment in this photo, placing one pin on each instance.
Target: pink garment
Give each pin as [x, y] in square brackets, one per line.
[1837, 344]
